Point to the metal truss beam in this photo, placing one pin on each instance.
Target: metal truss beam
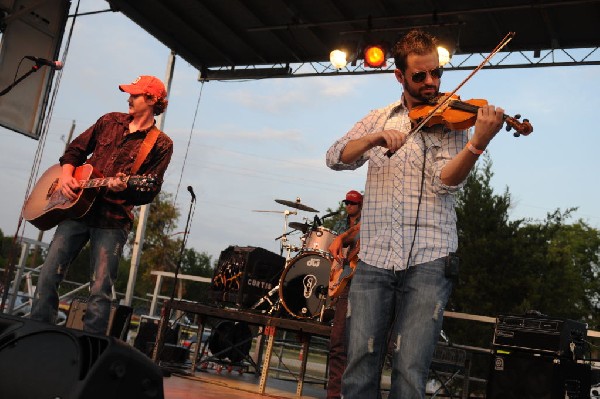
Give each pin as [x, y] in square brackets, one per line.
[507, 60]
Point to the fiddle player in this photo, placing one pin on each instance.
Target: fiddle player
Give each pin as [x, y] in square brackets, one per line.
[408, 228]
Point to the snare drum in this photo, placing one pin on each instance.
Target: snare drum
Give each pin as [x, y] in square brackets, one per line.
[304, 284]
[319, 239]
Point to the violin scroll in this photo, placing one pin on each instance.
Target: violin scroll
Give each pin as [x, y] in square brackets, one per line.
[521, 128]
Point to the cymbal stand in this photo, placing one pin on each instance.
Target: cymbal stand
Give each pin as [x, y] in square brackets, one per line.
[283, 243]
[323, 299]
[273, 303]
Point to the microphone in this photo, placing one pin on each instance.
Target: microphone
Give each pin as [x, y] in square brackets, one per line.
[41, 61]
[330, 215]
[316, 222]
[191, 190]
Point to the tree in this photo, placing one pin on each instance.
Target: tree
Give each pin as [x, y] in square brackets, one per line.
[487, 257]
[512, 267]
[342, 214]
[162, 252]
[561, 264]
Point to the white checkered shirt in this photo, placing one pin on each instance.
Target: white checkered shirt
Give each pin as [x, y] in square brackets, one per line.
[392, 191]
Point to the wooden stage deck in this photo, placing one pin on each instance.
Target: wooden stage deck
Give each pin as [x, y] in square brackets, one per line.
[210, 385]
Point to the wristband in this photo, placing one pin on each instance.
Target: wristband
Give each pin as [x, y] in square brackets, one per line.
[474, 149]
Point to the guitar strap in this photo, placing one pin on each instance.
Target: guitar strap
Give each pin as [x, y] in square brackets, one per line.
[145, 148]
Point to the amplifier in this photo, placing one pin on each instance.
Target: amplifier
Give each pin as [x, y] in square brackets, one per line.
[118, 322]
[244, 275]
[560, 337]
[534, 376]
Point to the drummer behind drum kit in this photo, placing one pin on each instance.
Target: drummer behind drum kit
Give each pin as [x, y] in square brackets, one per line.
[304, 282]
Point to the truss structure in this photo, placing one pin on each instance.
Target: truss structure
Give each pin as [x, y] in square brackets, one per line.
[506, 60]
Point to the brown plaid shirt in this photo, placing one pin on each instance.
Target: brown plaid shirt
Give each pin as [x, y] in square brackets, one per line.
[113, 149]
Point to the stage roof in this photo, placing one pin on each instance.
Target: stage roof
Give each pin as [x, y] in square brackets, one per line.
[242, 34]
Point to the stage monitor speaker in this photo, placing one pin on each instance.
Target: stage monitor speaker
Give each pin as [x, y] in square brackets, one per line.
[244, 275]
[118, 322]
[519, 375]
[32, 29]
[39, 360]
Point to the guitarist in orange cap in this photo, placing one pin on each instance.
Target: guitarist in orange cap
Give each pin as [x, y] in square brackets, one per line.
[117, 145]
[339, 286]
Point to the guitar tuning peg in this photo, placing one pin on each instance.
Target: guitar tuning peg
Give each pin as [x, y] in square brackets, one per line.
[525, 120]
[517, 134]
[518, 116]
[508, 127]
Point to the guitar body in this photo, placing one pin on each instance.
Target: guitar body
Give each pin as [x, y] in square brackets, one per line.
[46, 206]
[340, 276]
[341, 273]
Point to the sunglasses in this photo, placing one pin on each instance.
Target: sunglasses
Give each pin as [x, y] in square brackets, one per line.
[419, 77]
[351, 202]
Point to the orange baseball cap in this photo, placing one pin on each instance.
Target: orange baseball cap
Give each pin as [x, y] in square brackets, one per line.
[145, 85]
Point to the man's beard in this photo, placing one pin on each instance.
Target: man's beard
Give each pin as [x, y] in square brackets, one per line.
[416, 94]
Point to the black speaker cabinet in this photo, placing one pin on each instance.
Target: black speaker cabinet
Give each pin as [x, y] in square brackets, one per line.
[520, 375]
[145, 340]
[245, 274]
[39, 360]
[118, 322]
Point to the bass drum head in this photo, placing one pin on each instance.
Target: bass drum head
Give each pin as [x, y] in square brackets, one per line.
[304, 284]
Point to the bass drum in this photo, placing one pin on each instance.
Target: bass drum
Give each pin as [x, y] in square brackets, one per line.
[303, 286]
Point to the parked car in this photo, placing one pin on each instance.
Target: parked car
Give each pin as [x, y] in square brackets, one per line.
[22, 308]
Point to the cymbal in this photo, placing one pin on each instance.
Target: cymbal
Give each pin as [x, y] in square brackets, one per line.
[296, 204]
[303, 227]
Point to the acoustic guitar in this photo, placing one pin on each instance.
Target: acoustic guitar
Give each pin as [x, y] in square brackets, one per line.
[46, 206]
[342, 272]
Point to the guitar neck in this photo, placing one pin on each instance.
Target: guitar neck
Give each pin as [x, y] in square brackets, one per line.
[98, 182]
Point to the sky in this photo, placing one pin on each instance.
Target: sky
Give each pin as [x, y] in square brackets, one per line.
[250, 143]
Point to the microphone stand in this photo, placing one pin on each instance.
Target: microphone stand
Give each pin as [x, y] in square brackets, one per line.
[33, 69]
[166, 312]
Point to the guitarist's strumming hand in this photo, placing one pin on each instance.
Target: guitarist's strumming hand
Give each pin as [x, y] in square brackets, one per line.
[69, 186]
[119, 183]
[335, 248]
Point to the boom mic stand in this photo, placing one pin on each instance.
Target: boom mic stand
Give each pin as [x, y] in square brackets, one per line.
[166, 312]
[33, 69]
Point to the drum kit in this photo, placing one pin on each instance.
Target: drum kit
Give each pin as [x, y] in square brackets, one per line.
[304, 282]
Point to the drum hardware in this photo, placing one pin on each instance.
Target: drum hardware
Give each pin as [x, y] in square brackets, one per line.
[283, 243]
[296, 204]
[303, 227]
[268, 298]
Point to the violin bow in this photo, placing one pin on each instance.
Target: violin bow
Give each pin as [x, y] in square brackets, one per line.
[509, 36]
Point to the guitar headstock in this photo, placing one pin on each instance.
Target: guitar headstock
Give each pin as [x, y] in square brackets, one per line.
[143, 182]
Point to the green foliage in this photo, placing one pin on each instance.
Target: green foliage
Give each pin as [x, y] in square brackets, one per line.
[162, 252]
[342, 215]
[512, 267]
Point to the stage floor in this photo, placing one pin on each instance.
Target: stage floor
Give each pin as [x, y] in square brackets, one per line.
[211, 385]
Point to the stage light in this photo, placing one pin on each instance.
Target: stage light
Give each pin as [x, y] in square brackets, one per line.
[374, 56]
[338, 58]
[444, 55]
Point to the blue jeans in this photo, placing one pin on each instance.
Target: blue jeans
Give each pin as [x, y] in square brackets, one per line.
[409, 303]
[106, 248]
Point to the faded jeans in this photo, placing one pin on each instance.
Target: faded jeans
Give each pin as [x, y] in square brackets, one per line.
[105, 253]
[412, 304]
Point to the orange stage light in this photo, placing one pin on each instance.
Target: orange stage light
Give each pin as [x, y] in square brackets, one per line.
[374, 56]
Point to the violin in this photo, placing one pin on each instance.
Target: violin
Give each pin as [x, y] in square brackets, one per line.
[460, 115]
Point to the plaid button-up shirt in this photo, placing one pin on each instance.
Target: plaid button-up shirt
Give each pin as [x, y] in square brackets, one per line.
[393, 190]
